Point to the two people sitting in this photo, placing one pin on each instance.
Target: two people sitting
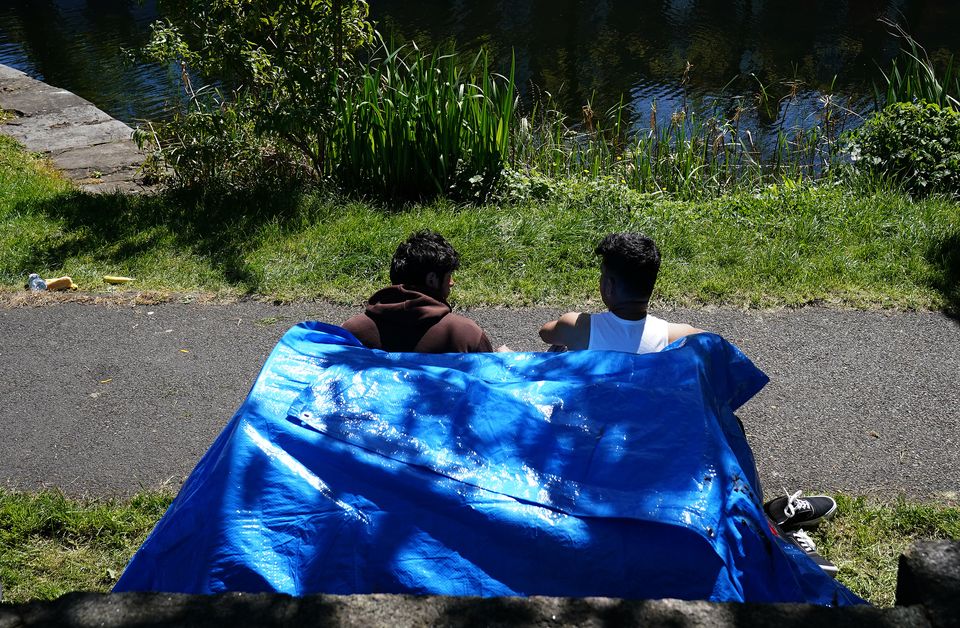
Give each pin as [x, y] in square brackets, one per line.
[412, 314]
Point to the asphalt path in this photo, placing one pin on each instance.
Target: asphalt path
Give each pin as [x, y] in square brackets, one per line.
[106, 399]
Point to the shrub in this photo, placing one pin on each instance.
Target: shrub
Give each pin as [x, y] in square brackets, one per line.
[278, 65]
[915, 145]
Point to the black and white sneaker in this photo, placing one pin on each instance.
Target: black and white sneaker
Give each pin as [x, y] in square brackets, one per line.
[793, 511]
[800, 538]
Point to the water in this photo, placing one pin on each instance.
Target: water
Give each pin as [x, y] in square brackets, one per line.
[578, 51]
[79, 44]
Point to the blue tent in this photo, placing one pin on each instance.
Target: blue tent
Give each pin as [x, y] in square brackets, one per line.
[349, 470]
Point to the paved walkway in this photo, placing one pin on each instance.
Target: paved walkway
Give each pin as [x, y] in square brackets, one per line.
[91, 148]
[105, 399]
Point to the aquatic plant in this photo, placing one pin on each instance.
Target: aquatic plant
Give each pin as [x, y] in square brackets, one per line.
[913, 76]
[418, 125]
[690, 153]
[332, 102]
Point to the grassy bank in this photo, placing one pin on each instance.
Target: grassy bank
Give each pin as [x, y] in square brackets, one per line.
[786, 245]
[50, 545]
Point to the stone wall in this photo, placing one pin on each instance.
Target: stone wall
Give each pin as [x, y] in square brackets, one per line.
[928, 594]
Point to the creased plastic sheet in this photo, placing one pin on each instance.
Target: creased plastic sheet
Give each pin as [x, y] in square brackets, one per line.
[349, 470]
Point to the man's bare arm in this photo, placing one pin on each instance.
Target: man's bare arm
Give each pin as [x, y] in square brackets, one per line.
[571, 330]
[676, 331]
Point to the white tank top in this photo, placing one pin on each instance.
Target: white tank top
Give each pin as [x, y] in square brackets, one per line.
[608, 332]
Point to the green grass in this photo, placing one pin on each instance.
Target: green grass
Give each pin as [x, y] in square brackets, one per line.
[791, 244]
[50, 545]
[787, 245]
[865, 541]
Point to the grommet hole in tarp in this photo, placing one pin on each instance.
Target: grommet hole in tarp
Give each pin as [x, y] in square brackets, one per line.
[306, 418]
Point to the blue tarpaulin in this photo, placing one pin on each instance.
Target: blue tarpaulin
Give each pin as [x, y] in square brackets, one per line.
[591, 473]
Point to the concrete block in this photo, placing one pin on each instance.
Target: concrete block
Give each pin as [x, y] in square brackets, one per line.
[28, 97]
[81, 610]
[80, 139]
[6, 73]
[53, 133]
[929, 575]
[105, 158]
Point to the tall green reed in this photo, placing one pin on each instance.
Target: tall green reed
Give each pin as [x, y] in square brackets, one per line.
[689, 154]
[420, 125]
[914, 77]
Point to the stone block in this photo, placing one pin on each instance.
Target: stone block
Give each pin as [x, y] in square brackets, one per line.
[106, 158]
[929, 576]
[364, 611]
[53, 133]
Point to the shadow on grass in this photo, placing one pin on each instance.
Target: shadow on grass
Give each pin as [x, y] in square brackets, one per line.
[945, 258]
[117, 229]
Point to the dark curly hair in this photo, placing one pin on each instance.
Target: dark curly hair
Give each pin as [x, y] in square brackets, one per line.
[633, 258]
[422, 253]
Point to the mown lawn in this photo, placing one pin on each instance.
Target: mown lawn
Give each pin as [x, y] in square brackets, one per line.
[787, 245]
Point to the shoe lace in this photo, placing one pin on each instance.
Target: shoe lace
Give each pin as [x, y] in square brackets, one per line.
[804, 541]
[795, 504]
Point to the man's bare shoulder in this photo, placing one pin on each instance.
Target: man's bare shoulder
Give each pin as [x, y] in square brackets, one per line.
[571, 330]
[574, 318]
[675, 331]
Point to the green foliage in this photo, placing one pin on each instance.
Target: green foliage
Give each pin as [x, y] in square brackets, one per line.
[279, 65]
[866, 539]
[913, 77]
[418, 125]
[405, 124]
[915, 141]
[788, 244]
[217, 143]
[914, 145]
[51, 544]
[692, 155]
[292, 102]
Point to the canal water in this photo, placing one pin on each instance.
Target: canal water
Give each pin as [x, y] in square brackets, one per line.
[578, 51]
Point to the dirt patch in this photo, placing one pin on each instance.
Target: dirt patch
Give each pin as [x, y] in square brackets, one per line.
[126, 298]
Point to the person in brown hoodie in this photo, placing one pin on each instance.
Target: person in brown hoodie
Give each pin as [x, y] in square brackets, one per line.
[413, 313]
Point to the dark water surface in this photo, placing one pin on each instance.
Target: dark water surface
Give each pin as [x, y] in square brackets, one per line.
[577, 51]
[78, 45]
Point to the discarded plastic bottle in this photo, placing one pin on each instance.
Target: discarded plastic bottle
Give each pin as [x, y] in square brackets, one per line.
[35, 283]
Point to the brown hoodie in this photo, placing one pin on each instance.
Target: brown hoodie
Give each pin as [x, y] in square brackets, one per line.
[399, 318]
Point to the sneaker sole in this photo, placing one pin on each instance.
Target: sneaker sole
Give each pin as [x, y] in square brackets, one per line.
[828, 568]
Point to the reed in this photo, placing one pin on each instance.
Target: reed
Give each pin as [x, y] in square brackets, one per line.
[693, 154]
[914, 77]
[420, 125]
[413, 125]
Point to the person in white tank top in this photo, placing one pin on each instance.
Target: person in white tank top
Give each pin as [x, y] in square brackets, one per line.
[628, 271]
[609, 332]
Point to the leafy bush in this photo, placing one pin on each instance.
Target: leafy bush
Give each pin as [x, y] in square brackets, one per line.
[278, 66]
[216, 142]
[301, 92]
[915, 145]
